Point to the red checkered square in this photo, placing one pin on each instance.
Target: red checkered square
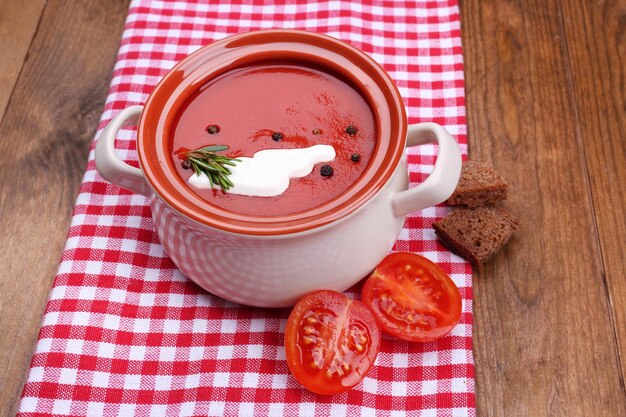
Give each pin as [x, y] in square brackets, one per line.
[125, 333]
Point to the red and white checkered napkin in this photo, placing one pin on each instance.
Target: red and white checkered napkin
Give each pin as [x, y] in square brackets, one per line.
[125, 333]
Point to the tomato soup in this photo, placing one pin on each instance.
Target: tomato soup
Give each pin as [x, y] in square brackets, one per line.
[280, 106]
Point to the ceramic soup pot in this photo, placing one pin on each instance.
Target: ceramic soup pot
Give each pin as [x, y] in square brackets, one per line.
[274, 261]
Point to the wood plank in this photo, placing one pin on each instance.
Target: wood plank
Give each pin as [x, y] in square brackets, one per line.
[46, 133]
[543, 342]
[596, 40]
[18, 23]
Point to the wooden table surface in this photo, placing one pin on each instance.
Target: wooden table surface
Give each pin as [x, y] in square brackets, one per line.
[545, 87]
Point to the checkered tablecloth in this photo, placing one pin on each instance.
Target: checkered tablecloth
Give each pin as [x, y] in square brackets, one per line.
[126, 334]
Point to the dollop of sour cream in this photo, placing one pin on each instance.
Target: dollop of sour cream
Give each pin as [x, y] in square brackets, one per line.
[268, 172]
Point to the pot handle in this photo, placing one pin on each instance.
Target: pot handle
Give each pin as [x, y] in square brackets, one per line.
[109, 165]
[444, 178]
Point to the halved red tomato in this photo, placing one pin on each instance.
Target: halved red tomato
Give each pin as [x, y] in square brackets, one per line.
[331, 342]
[412, 298]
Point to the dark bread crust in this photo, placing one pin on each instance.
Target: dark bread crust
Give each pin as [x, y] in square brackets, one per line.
[479, 184]
[476, 234]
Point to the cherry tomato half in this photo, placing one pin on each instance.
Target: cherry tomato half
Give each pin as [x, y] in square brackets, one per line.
[412, 298]
[331, 342]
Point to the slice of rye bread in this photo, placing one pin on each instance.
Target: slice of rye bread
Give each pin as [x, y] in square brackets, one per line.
[480, 184]
[476, 234]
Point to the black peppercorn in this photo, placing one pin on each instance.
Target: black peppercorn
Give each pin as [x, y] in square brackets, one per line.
[186, 164]
[212, 129]
[351, 130]
[326, 170]
[317, 131]
[276, 136]
[355, 157]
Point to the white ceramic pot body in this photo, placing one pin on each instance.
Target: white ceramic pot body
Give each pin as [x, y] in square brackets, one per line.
[276, 271]
[268, 270]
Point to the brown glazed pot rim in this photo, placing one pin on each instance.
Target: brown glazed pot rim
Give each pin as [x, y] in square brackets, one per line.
[302, 48]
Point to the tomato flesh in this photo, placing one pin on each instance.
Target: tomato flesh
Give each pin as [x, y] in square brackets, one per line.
[331, 342]
[412, 298]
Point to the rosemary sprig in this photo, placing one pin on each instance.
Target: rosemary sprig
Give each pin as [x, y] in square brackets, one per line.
[213, 165]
